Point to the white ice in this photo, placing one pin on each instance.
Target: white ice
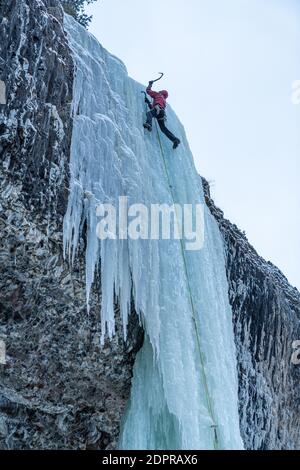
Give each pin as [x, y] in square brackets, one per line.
[113, 156]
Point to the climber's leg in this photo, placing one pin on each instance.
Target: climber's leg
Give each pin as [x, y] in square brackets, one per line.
[165, 130]
[150, 115]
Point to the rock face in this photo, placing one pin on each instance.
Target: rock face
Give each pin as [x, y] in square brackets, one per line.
[58, 389]
[266, 312]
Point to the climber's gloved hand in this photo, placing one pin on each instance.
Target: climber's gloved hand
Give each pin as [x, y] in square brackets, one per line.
[150, 83]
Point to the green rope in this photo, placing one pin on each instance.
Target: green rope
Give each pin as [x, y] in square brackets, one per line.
[208, 399]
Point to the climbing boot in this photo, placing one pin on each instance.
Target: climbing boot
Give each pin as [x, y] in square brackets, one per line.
[148, 126]
[176, 143]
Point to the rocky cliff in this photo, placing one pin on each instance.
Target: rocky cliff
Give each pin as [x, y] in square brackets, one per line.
[58, 388]
[266, 311]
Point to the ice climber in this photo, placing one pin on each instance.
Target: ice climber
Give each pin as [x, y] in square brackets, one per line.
[157, 110]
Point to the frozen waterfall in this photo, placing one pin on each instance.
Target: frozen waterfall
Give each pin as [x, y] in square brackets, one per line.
[112, 156]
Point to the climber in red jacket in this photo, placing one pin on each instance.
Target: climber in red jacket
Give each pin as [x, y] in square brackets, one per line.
[157, 110]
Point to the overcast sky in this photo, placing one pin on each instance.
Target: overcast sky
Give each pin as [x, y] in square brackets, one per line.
[229, 67]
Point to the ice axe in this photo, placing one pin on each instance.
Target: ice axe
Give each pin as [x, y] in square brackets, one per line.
[151, 82]
[161, 76]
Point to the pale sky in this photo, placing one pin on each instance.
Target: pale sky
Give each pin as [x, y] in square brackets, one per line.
[229, 68]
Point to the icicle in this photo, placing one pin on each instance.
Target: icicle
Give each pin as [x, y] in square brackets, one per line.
[111, 156]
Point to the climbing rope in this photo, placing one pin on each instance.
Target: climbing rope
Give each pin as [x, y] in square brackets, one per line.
[204, 378]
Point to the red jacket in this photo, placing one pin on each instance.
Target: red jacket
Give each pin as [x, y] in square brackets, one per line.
[159, 98]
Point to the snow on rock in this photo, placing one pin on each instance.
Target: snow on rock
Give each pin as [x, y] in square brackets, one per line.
[112, 156]
[266, 315]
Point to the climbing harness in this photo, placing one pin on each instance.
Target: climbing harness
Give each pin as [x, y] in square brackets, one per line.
[214, 427]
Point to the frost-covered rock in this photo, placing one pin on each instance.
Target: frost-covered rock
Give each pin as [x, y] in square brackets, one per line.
[266, 312]
[58, 389]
